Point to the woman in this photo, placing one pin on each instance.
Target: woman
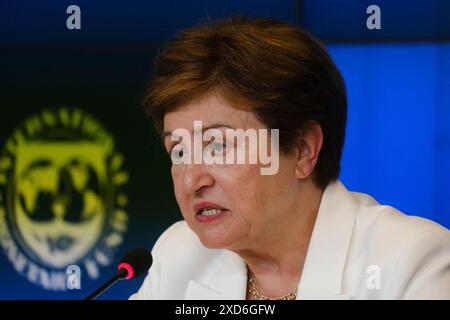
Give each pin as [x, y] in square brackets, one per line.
[296, 233]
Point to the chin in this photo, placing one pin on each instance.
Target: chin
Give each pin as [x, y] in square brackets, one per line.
[214, 242]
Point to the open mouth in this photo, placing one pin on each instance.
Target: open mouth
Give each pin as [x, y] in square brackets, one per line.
[208, 209]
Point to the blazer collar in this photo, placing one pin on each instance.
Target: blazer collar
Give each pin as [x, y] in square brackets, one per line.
[328, 248]
[324, 265]
[225, 279]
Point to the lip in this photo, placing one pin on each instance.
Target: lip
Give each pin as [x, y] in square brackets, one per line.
[208, 204]
[204, 219]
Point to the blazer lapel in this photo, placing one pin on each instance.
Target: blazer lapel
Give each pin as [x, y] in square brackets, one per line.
[327, 252]
[225, 278]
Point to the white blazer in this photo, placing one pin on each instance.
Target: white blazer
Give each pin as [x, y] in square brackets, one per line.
[358, 250]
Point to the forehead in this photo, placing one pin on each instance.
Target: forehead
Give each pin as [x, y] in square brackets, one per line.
[210, 109]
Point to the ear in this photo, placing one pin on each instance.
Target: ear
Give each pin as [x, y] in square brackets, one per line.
[309, 146]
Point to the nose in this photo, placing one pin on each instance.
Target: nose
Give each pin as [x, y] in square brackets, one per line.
[196, 177]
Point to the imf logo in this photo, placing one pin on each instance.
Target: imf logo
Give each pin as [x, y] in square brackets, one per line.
[61, 197]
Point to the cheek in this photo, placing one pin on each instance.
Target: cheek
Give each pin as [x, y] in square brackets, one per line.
[256, 195]
[243, 186]
[177, 185]
[175, 175]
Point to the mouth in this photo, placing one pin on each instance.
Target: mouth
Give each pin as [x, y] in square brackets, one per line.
[208, 211]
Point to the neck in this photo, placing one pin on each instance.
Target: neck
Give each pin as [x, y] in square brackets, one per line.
[276, 259]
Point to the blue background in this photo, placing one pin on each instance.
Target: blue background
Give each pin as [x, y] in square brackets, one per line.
[398, 82]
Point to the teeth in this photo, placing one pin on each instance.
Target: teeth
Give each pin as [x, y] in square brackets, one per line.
[210, 211]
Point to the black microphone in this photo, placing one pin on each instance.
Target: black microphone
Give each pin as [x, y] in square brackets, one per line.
[132, 265]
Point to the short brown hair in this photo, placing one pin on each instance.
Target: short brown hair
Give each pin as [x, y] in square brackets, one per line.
[278, 71]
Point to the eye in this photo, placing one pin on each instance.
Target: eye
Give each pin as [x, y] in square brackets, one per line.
[177, 153]
[219, 148]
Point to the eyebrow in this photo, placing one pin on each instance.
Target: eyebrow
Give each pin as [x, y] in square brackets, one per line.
[212, 126]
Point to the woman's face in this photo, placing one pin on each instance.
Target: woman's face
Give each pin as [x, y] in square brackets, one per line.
[250, 205]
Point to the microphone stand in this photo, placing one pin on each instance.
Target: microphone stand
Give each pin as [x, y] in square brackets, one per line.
[121, 274]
